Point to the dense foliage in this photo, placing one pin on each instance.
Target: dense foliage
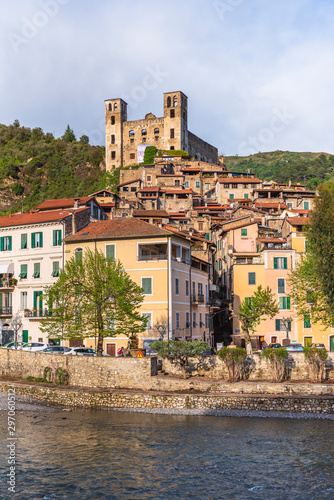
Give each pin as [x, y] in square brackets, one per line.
[234, 359]
[315, 358]
[36, 166]
[311, 169]
[276, 357]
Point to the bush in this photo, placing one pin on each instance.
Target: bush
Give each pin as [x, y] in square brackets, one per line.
[315, 358]
[234, 359]
[276, 357]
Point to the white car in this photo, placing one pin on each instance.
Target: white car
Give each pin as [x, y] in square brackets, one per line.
[80, 351]
[34, 346]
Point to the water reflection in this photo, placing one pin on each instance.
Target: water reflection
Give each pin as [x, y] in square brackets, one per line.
[111, 455]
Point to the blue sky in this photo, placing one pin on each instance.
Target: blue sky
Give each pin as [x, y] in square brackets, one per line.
[259, 74]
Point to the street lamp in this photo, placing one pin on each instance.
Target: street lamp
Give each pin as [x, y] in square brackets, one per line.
[287, 325]
[16, 324]
[161, 327]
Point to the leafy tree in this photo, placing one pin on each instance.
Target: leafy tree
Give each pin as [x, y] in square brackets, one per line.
[69, 135]
[276, 357]
[179, 351]
[84, 139]
[315, 358]
[93, 296]
[253, 310]
[234, 358]
[149, 155]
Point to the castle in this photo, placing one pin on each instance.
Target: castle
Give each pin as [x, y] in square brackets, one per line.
[126, 140]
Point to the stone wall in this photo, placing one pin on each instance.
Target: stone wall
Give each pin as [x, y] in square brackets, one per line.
[202, 150]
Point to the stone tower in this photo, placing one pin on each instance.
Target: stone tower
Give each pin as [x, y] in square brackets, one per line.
[116, 115]
[176, 120]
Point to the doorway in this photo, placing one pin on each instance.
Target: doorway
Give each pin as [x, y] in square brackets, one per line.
[111, 349]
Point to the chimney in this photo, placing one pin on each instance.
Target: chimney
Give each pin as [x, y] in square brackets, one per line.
[74, 229]
[76, 203]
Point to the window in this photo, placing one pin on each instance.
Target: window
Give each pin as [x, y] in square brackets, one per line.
[187, 319]
[146, 284]
[175, 101]
[56, 237]
[200, 226]
[280, 327]
[186, 184]
[243, 232]
[306, 205]
[36, 240]
[148, 178]
[245, 186]
[197, 184]
[172, 135]
[113, 155]
[219, 264]
[172, 113]
[194, 288]
[112, 120]
[144, 131]
[38, 301]
[281, 285]
[110, 251]
[115, 107]
[23, 271]
[177, 320]
[226, 186]
[78, 255]
[207, 187]
[131, 133]
[149, 320]
[177, 286]
[231, 196]
[194, 320]
[246, 196]
[169, 102]
[290, 205]
[200, 320]
[37, 270]
[110, 107]
[172, 148]
[156, 131]
[126, 188]
[284, 302]
[112, 139]
[309, 296]
[280, 262]
[307, 321]
[207, 320]
[187, 288]
[24, 300]
[24, 240]
[5, 243]
[200, 289]
[251, 278]
[234, 186]
[55, 269]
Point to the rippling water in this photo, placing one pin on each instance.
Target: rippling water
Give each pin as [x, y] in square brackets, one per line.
[110, 455]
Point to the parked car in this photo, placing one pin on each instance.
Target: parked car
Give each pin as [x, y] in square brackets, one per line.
[294, 347]
[11, 345]
[34, 346]
[80, 351]
[210, 352]
[56, 349]
[319, 346]
[274, 346]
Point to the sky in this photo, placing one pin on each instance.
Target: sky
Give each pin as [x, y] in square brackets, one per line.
[259, 74]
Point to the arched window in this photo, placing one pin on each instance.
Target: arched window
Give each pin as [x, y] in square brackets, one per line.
[144, 131]
[112, 120]
[156, 131]
[169, 102]
[175, 101]
[131, 133]
[78, 255]
[115, 107]
[110, 107]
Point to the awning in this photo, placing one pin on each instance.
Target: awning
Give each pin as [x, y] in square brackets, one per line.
[6, 267]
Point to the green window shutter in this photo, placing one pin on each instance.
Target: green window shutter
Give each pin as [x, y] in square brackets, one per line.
[280, 302]
[288, 302]
[281, 285]
[55, 269]
[25, 337]
[277, 325]
[35, 300]
[243, 232]
[285, 262]
[41, 239]
[147, 285]
[9, 242]
[23, 271]
[33, 240]
[24, 240]
[54, 237]
[59, 237]
[110, 251]
[2, 244]
[275, 263]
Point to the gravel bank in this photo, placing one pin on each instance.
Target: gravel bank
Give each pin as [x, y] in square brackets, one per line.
[25, 404]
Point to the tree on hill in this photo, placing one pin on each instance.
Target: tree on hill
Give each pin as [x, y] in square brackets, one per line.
[93, 296]
[69, 135]
[253, 310]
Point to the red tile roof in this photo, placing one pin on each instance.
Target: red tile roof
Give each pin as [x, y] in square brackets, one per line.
[37, 217]
[178, 191]
[272, 204]
[239, 180]
[125, 227]
[298, 221]
[150, 213]
[128, 182]
[63, 203]
[149, 188]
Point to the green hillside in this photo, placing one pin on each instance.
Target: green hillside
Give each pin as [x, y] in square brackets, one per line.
[307, 168]
[35, 166]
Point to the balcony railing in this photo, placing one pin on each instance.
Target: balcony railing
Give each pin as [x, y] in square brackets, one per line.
[142, 258]
[197, 298]
[7, 284]
[37, 313]
[6, 311]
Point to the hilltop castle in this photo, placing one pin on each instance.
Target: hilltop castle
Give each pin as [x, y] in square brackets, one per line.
[126, 140]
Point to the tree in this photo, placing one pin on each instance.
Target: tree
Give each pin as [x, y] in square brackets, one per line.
[84, 139]
[315, 358]
[179, 351]
[234, 358]
[252, 311]
[149, 155]
[276, 357]
[93, 296]
[69, 135]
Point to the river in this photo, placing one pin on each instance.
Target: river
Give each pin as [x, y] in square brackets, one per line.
[102, 454]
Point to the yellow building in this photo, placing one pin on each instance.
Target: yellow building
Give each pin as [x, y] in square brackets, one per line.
[175, 285]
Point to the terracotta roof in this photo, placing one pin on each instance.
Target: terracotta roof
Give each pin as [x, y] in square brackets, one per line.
[178, 191]
[149, 188]
[128, 182]
[300, 211]
[63, 203]
[150, 213]
[103, 191]
[272, 240]
[238, 226]
[239, 180]
[37, 217]
[298, 221]
[124, 227]
[272, 204]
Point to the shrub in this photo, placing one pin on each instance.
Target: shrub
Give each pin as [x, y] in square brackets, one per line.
[276, 357]
[234, 359]
[315, 359]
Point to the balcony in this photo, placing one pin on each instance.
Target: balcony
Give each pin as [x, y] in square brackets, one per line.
[197, 298]
[6, 311]
[151, 252]
[37, 313]
[145, 258]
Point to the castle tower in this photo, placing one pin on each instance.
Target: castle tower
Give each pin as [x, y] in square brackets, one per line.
[116, 115]
[176, 120]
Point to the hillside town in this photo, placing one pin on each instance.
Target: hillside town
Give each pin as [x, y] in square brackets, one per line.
[197, 238]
